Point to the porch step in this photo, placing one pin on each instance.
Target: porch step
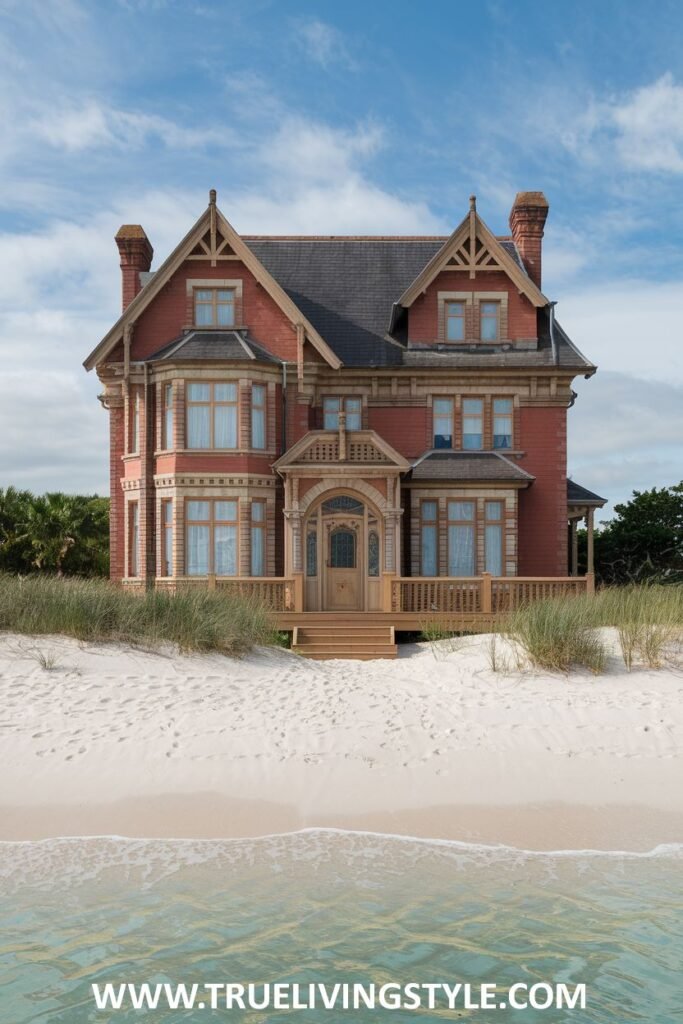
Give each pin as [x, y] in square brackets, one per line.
[344, 640]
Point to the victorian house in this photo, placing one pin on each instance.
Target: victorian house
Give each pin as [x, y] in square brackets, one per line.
[344, 424]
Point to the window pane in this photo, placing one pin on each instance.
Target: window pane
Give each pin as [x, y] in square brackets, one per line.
[225, 314]
[225, 295]
[257, 553]
[443, 406]
[494, 550]
[473, 406]
[167, 507]
[373, 554]
[429, 566]
[343, 549]
[168, 552]
[489, 329]
[197, 510]
[225, 426]
[455, 321]
[258, 428]
[225, 392]
[330, 409]
[198, 434]
[203, 294]
[502, 432]
[471, 434]
[502, 406]
[489, 308]
[312, 554]
[225, 511]
[460, 550]
[257, 511]
[198, 392]
[197, 550]
[429, 510]
[225, 550]
[461, 510]
[203, 315]
[353, 414]
[493, 510]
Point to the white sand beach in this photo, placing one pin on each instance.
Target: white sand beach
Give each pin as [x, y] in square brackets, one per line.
[106, 739]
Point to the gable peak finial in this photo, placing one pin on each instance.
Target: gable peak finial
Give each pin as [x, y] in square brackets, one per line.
[212, 197]
[473, 203]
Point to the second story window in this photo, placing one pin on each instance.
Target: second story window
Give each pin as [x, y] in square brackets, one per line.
[472, 423]
[214, 307]
[455, 321]
[211, 415]
[332, 406]
[443, 422]
[502, 423]
[167, 422]
[258, 418]
[489, 314]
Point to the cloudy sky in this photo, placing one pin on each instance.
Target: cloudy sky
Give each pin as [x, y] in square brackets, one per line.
[342, 117]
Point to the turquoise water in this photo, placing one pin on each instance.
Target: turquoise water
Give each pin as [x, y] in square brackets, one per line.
[329, 907]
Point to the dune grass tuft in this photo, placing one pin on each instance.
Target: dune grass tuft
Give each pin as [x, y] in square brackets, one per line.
[96, 610]
[561, 632]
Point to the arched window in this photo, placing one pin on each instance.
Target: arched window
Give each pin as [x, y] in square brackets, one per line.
[343, 503]
[343, 549]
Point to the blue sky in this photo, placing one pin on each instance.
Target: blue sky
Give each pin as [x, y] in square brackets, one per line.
[331, 117]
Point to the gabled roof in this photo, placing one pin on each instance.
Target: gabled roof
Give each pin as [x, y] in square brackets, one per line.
[472, 247]
[223, 345]
[210, 222]
[462, 466]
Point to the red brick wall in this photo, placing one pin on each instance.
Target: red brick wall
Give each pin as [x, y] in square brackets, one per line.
[116, 513]
[408, 430]
[423, 316]
[171, 311]
[543, 506]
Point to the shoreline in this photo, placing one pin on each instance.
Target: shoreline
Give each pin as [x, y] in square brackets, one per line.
[547, 827]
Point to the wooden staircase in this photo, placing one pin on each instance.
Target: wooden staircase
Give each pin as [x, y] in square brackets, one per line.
[354, 636]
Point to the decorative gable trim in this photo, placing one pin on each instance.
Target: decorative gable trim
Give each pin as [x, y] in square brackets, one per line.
[212, 239]
[321, 447]
[472, 248]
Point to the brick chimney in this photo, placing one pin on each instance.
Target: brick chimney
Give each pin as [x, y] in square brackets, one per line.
[527, 220]
[136, 254]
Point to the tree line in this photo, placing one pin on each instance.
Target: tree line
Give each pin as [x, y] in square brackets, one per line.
[62, 534]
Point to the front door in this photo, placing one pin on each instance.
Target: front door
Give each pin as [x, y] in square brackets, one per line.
[343, 580]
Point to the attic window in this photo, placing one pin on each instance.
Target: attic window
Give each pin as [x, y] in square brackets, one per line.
[455, 321]
[214, 307]
[490, 321]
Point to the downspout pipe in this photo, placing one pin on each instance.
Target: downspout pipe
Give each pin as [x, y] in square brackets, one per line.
[553, 341]
[284, 407]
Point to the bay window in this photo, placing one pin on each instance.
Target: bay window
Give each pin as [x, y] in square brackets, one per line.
[211, 537]
[211, 415]
[258, 416]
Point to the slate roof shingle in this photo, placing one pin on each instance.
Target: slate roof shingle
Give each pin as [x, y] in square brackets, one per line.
[578, 495]
[223, 345]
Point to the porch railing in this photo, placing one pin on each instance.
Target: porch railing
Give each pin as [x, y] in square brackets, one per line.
[485, 595]
[277, 592]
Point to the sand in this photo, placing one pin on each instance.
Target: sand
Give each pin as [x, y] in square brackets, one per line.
[106, 739]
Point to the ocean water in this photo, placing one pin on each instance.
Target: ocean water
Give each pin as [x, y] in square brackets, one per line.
[322, 906]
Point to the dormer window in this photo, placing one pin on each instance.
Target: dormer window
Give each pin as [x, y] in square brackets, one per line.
[214, 307]
[489, 314]
[455, 321]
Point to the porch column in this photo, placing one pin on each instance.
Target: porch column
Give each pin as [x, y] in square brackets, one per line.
[575, 548]
[589, 527]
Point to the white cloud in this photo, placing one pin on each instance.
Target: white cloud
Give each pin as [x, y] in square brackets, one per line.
[323, 43]
[649, 126]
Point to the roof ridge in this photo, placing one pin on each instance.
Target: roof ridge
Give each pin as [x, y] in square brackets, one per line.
[355, 238]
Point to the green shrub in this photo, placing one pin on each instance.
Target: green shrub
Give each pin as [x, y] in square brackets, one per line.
[556, 634]
[96, 610]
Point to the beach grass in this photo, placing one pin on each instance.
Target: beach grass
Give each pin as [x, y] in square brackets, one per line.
[559, 633]
[96, 610]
